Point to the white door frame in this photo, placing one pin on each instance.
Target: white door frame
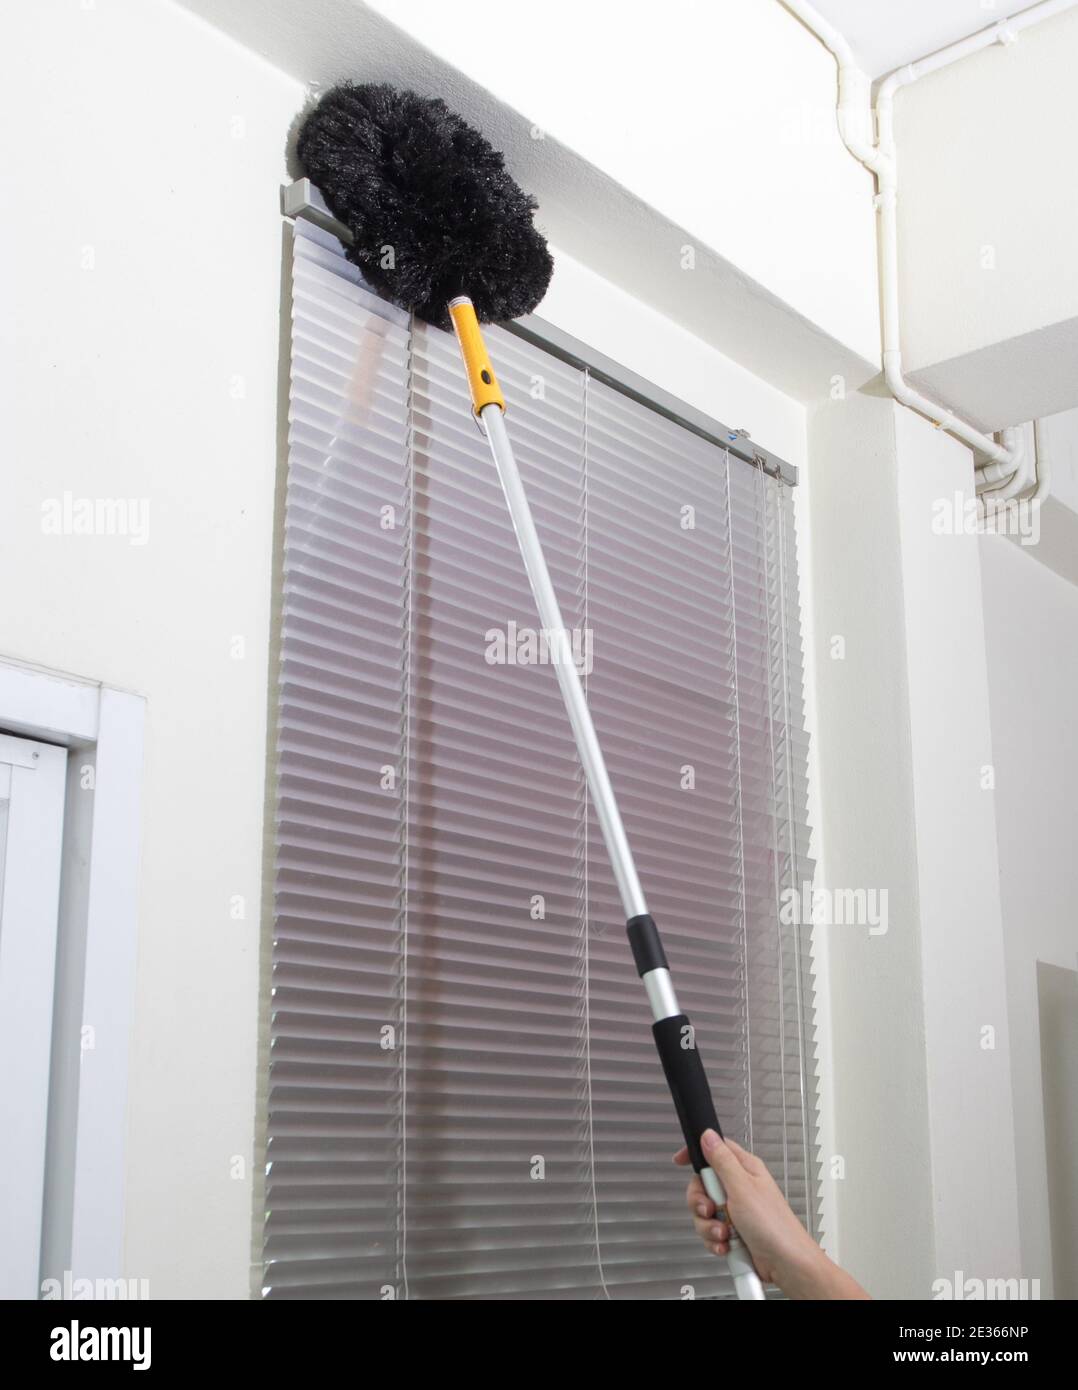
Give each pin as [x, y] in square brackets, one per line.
[103, 729]
[33, 776]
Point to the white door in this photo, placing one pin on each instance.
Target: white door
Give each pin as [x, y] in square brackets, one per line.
[32, 778]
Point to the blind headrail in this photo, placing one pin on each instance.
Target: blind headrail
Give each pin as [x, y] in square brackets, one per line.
[302, 199]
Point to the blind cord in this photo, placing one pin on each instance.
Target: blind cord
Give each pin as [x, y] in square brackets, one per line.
[760, 492]
[743, 910]
[587, 895]
[785, 598]
[407, 811]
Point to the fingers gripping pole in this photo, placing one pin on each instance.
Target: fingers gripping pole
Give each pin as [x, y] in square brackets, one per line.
[672, 1031]
[746, 1281]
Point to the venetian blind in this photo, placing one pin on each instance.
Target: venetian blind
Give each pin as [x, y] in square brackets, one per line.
[464, 1097]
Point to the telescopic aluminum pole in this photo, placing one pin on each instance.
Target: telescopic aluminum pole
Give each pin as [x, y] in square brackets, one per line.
[672, 1030]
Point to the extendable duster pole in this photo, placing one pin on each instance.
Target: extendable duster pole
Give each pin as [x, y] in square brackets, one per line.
[671, 1028]
[403, 172]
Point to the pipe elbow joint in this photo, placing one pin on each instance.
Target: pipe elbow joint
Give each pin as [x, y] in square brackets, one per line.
[1008, 463]
[892, 375]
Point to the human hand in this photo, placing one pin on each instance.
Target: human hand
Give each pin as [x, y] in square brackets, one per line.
[782, 1250]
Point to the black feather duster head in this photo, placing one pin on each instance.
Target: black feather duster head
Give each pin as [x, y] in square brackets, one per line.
[428, 201]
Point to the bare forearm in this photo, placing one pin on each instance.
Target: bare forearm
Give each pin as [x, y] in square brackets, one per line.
[815, 1276]
[782, 1250]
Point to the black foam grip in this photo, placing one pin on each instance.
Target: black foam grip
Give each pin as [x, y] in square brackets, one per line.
[676, 1041]
[646, 944]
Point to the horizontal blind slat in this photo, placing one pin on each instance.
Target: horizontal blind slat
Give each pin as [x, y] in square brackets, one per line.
[453, 1000]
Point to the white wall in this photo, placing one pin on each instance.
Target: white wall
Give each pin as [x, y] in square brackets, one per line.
[1057, 547]
[884, 35]
[987, 222]
[1001, 341]
[876, 1143]
[921, 1115]
[664, 352]
[146, 283]
[713, 130]
[739, 91]
[144, 279]
[1031, 630]
[963, 968]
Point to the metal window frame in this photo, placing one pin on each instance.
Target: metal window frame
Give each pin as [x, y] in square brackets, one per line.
[301, 199]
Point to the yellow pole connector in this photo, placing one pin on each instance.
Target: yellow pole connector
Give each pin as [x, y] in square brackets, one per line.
[481, 379]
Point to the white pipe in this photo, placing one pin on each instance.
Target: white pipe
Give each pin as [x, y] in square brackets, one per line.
[990, 474]
[999, 481]
[1009, 460]
[1006, 31]
[993, 510]
[1035, 472]
[854, 85]
[855, 119]
[1044, 465]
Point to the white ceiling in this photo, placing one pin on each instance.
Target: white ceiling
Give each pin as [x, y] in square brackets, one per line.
[887, 33]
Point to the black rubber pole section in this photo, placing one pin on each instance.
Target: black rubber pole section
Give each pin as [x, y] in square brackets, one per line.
[646, 945]
[676, 1042]
[684, 1068]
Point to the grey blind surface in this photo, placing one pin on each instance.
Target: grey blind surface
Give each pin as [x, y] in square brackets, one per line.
[464, 1098]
